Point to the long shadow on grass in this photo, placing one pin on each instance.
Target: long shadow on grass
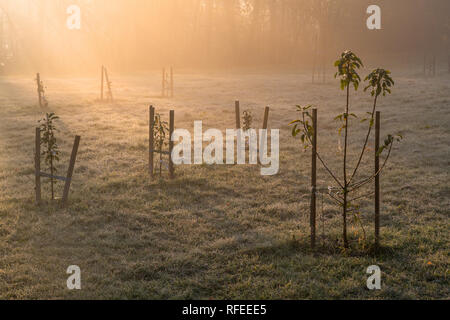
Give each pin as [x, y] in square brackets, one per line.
[291, 247]
[187, 191]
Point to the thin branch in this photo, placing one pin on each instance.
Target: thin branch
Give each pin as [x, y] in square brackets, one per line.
[335, 199]
[368, 180]
[346, 136]
[330, 195]
[319, 157]
[361, 224]
[363, 196]
[366, 141]
[329, 171]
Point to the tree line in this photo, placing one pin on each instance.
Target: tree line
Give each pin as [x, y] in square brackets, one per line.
[136, 34]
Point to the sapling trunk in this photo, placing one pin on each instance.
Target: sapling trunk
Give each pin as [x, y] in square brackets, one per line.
[344, 214]
[160, 156]
[50, 155]
[51, 179]
[159, 137]
[51, 152]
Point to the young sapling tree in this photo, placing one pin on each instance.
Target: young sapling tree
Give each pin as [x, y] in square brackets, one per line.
[161, 133]
[51, 149]
[247, 120]
[380, 83]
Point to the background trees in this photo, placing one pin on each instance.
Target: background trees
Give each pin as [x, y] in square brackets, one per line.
[134, 34]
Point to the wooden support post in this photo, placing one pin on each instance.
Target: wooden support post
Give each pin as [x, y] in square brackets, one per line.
[377, 179]
[313, 181]
[111, 98]
[238, 114]
[163, 84]
[151, 142]
[171, 82]
[266, 118]
[101, 86]
[316, 40]
[434, 66]
[264, 127]
[171, 130]
[324, 68]
[37, 166]
[424, 64]
[39, 89]
[73, 158]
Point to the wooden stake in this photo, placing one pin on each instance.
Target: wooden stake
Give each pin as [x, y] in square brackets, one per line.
[377, 179]
[424, 64]
[171, 130]
[264, 127]
[37, 166]
[313, 181]
[315, 58]
[163, 83]
[238, 114]
[266, 118]
[324, 68]
[109, 85]
[101, 86]
[73, 158]
[38, 80]
[434, 66]
[171, 82]
[151, 142]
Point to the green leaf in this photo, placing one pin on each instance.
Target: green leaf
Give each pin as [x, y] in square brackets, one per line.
[380, 150]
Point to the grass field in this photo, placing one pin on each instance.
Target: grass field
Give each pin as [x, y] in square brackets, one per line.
[219, 231]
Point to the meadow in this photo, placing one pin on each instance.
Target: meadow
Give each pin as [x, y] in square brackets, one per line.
[218, 232]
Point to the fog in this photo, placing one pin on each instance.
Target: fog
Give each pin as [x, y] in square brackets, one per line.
[136, 35]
